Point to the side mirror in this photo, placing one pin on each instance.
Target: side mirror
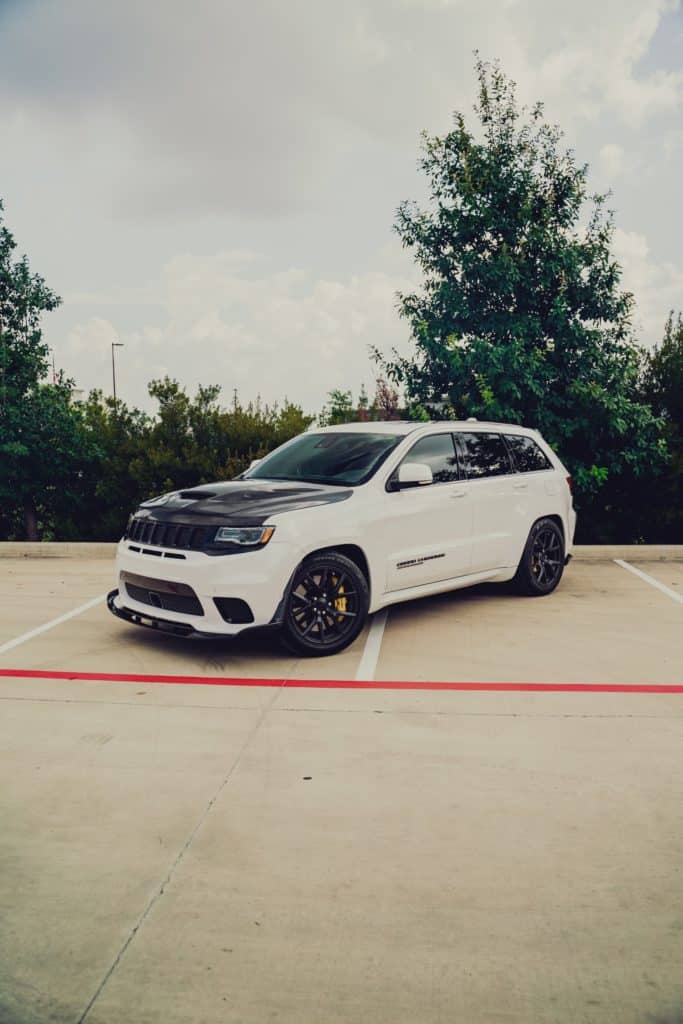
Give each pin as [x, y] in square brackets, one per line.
[254, 462]
[413, 474]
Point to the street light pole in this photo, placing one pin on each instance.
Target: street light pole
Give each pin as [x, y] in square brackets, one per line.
[114, 344]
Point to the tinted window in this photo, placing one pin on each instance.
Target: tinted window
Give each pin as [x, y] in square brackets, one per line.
[438, 452]
[526, 453]
[485, 455]
[335, 458]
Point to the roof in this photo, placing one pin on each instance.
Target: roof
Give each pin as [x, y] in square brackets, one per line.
[371, 427]
[404, 427]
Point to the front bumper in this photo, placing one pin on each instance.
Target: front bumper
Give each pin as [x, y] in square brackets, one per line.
[260, 578]
[151, 621]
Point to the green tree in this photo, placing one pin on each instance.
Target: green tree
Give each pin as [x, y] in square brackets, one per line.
[121, 436]
[339, 408]
[52, 465]
[43, 447]
[191, 440]
[663, 389]
[521, 316]
[663, 377]
[342, 408]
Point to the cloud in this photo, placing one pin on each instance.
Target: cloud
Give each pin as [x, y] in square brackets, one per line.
[95, 335]
[245, 107]
[257, 152]
[611, 160]
[657, 286]
[594, 66]
[273, 334]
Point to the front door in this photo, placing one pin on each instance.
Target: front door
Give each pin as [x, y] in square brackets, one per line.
[426, 530]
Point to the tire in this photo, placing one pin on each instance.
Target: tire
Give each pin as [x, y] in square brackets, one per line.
[326, 605]
[542, 563]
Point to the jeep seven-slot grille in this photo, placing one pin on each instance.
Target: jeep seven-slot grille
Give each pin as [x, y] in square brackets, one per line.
[169, 535]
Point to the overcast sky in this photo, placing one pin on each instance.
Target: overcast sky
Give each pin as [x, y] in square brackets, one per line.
[214, 183]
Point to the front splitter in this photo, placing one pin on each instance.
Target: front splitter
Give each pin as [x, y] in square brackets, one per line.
[161, 625]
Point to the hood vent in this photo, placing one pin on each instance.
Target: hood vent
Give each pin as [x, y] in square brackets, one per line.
[196, 495]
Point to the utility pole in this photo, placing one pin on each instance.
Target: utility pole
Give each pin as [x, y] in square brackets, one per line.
[114, 344]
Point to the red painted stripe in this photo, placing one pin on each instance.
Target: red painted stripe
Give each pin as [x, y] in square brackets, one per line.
[342, 684]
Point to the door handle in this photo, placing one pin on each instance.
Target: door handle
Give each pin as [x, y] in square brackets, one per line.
[520, 485]
[459, 494]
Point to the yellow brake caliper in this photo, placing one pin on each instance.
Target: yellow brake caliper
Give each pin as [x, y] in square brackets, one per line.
[340, 602]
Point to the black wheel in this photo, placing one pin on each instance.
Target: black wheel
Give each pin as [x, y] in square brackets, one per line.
[542, 564]
[326, 606]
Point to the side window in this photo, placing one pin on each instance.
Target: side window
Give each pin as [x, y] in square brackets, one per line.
[527, 456]
[438, 452]
[485, 455]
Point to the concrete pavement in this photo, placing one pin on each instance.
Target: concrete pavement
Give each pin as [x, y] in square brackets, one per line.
[195, 853]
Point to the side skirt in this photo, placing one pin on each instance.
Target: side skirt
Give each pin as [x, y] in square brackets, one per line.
[443, 586]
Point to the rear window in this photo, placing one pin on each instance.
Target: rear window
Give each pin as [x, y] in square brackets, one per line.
[485, 455]
[527, 455]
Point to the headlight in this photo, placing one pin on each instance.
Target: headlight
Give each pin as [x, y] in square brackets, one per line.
[245, 536]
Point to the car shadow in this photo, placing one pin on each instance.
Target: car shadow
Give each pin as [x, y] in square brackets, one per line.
[230, 655]
[212, 654]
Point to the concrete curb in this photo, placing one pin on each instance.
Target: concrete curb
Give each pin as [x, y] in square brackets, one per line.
[55, 549]
[629, 552]
[582, 552]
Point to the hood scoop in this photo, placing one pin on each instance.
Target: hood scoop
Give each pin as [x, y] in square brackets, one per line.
[196, 495]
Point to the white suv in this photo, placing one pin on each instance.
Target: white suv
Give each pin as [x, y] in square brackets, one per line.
[342, 521]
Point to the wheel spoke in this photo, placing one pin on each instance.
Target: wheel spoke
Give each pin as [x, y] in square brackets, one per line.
[310, 585]
[338, 584]
[332, 624]
[309, 627]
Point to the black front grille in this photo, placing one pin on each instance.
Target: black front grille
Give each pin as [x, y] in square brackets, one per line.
[184, 536]
[172, 597]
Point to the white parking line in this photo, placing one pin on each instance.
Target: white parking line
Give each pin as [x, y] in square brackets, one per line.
[373, 644]
[50, 625]
[651, 580]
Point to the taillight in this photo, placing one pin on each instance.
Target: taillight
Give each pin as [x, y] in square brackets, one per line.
[570, 485]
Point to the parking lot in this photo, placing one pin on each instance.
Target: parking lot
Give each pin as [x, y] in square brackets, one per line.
[472, 815]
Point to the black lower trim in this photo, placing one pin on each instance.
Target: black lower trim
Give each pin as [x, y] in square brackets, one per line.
[154, 622]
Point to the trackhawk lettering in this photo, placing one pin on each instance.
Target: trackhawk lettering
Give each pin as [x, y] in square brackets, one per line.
[419, 561]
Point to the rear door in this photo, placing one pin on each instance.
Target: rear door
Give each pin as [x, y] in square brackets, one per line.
[425, 531]
[494, 497]
[536, 487]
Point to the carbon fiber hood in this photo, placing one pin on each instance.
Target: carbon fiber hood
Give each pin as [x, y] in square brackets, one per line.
[240, 502]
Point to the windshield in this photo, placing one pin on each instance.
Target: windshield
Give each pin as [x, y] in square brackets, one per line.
[338, 458]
